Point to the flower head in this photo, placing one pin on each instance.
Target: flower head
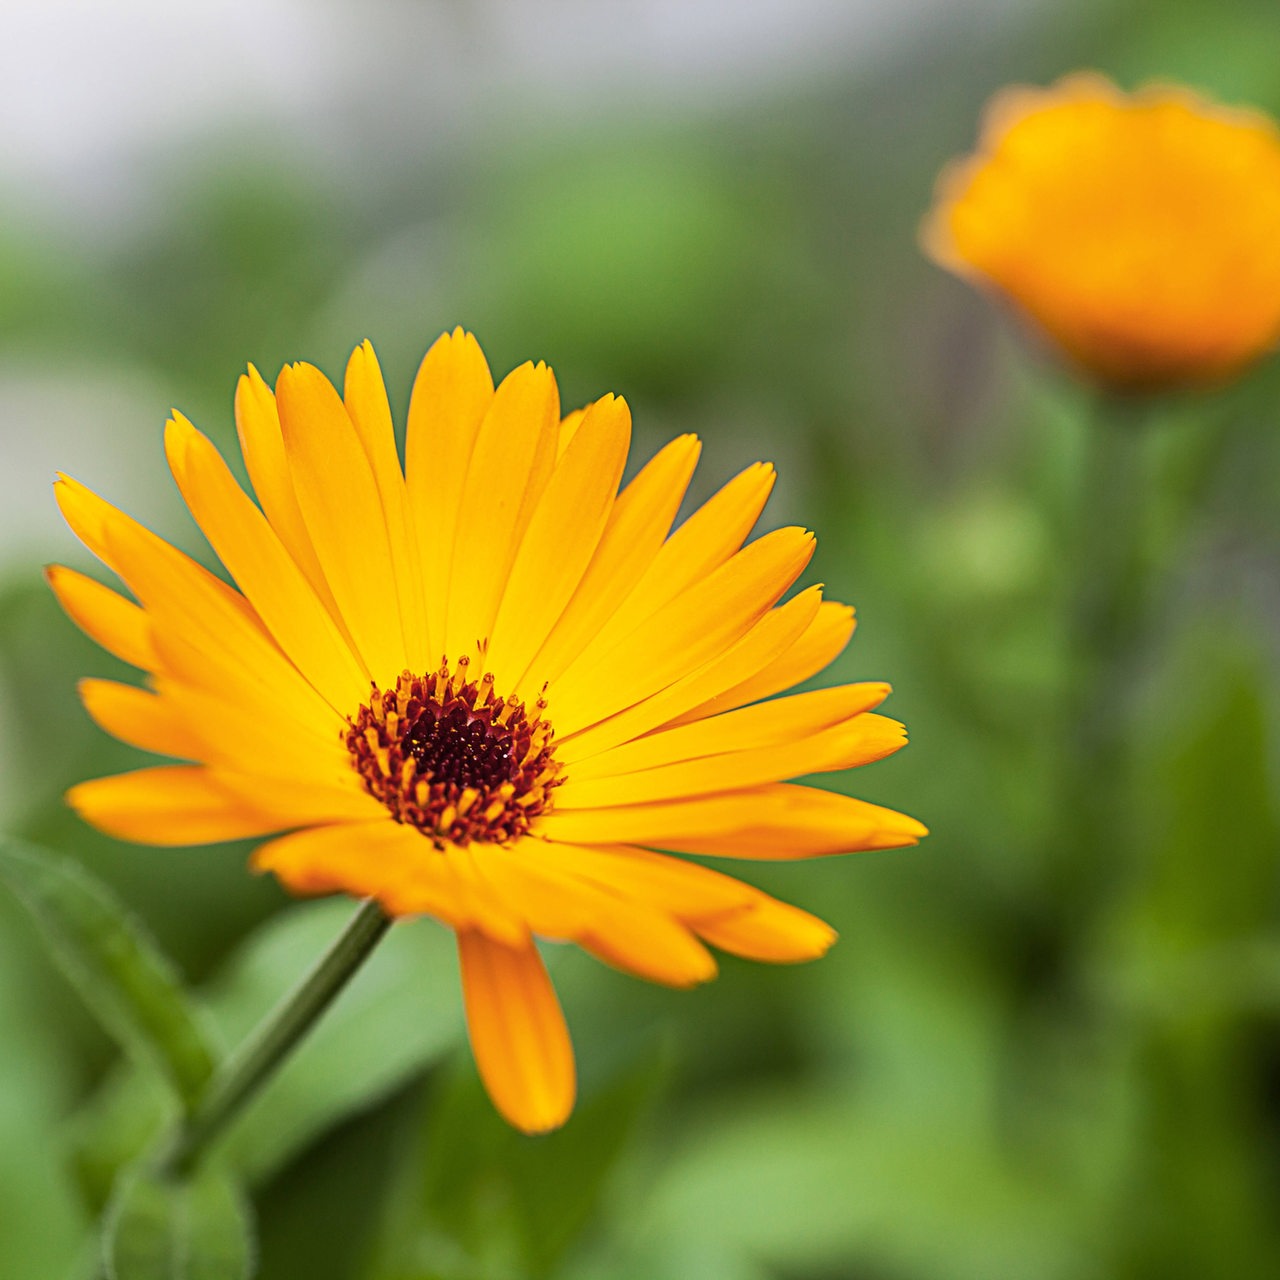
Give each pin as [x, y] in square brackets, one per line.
[484, 687]
[1140, 231]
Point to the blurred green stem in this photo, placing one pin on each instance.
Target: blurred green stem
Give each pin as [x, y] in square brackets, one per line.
[255, 1062]
[1106, 606]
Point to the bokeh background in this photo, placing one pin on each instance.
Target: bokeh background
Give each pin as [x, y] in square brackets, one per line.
[1026, 1057]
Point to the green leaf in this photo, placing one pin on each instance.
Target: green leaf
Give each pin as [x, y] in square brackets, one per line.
[1216, 792]
[663, 1259]
[191, 1229]
[41, 1218]
[115, 1127]
[1191, 947]
[115, 966]
[485, 1199]
[559, 1179]
[818, 1182]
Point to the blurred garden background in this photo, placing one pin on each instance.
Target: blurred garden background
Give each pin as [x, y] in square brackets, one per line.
[1032, 1054]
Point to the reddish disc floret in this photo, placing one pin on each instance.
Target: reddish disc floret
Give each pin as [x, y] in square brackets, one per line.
[454, 759]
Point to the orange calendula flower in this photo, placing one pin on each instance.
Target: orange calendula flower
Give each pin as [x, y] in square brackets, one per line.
[1140, 231]
[483, 687]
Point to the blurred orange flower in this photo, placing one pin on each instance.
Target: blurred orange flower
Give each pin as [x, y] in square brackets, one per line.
[1140, 231]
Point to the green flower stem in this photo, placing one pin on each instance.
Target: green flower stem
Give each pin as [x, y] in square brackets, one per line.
[1108, 597]
[256, 1060]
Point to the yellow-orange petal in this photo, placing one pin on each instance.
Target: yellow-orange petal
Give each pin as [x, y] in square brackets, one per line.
[200, 622]
[821, 641]
[694, 627]
[262, 567]
[556, 902]
[702, 544]
[511, 463]
[858, 741]
[100, 526]
[466, 893]
[518, 1033]
[489, 911]
[772, 634]
[365, 395]
[138, 717]
[562, 536]
[168, 805]
[343, 513]
[393, 863]
[1135, 230]
[262, 444]
[300, 804]
[188, 608]
[105, 616]
[765, 724]
[451, 395]
[639, 521]
[223, 679]
[721, 910]
[769, 930]
[655, 948]
[236, 729]
[569, 425]
[779, 821]
[685, 890]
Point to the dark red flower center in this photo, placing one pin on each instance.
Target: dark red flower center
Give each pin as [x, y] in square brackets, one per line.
[450, 757]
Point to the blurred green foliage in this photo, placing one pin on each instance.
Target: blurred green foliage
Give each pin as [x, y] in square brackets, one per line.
[989, 1076]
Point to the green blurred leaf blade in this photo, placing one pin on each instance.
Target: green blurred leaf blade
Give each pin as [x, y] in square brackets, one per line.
[115, 1127]
[119, 971]
[481, 1198]
[164, 1229]
[558, 1180]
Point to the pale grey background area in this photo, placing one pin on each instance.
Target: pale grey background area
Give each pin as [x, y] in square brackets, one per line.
[102, 103]
[89, 92]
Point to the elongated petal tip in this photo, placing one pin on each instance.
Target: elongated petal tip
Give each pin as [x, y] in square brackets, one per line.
[771, 931]
[363, 360]
[454, 338]
[517, 1032]
[252, 391]
[897, 831]
[543, 1117]
[179, 433]
[167, 805]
